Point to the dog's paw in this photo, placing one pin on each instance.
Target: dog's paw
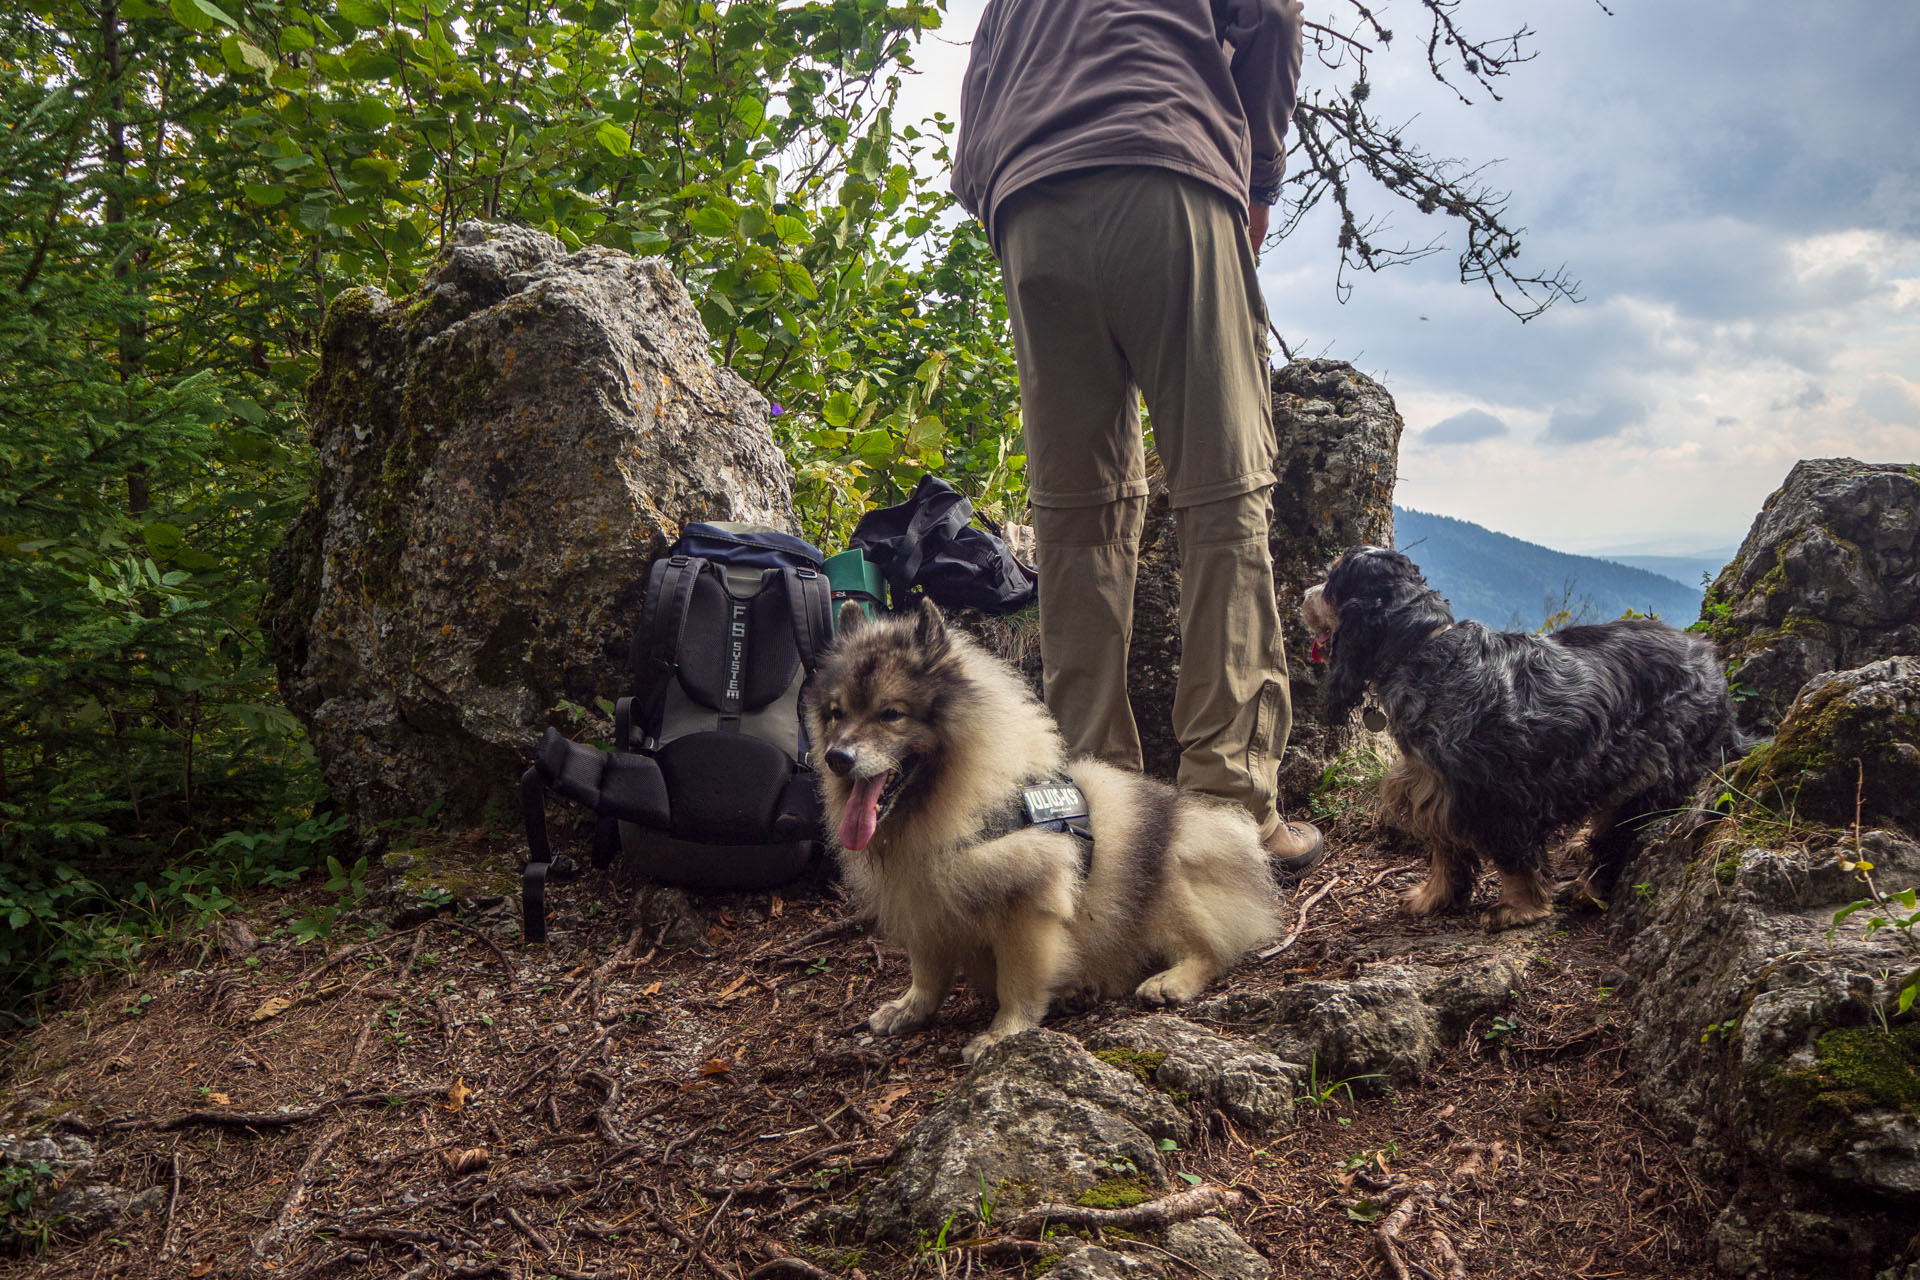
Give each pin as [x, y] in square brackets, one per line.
[1169, 987]
[899, 1016]
[980, 1044]
[1426, 899]
[1078, 1000]
[1511, 915]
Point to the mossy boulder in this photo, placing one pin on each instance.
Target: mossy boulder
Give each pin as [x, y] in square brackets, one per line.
[1847, 751]
[1828, 578]
[1768, 1032]
[501, 457]
[1038, 1119]
[1251, 1085]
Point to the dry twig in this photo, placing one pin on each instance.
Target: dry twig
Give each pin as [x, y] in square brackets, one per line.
[269, 1239]
[1300, 922]
[173, 1204]
[1164, 1212]
[1396, 1222]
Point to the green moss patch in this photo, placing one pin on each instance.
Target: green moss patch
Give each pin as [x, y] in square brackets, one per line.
[1141, 1063]
[1116, 1193]
[1856, 1069]
[1881, 1066]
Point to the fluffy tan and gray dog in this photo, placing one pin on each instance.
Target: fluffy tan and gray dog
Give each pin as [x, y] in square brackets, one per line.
[929, 742]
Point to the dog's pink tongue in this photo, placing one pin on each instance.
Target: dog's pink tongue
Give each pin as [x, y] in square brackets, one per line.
[863, 813]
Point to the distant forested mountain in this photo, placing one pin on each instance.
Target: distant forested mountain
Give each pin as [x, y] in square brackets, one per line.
[1684, 569]
[1505, 582]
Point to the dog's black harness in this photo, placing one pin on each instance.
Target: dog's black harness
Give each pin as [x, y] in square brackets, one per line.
[1053, 803]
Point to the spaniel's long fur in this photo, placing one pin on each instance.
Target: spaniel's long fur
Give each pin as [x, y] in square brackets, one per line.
[1506, 737]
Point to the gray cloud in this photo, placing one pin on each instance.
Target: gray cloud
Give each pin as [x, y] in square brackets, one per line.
[1578, 426]
[1464, 428]
[1811, 396]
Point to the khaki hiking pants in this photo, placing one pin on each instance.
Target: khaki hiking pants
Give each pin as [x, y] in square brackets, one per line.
[1122, 282]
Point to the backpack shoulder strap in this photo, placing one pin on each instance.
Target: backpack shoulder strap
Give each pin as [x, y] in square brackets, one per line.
[656, 646]
[810, 599]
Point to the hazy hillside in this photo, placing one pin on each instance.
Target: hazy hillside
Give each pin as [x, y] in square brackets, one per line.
[1683, 569]
[1505, 582]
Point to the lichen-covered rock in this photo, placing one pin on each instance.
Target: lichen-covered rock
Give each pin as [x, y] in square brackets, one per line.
[1848, 750]
[502, 456]
[1037, 1119]
[1767, 1032]
[49, 1184]
[1252, 1086]
[1214, 1249]
[1339, 438]
[1828, 578]
[1378, 1029]
[1091, 1262]
[414, 885]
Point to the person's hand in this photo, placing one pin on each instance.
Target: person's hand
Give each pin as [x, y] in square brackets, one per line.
[1257, 225]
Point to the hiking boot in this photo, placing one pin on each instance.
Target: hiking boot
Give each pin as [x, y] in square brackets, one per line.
[1296, 848]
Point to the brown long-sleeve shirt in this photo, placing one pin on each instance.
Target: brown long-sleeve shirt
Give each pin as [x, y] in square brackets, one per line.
[1203, 87]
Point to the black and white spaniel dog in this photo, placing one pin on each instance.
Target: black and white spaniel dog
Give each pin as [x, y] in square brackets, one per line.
[1506, 737]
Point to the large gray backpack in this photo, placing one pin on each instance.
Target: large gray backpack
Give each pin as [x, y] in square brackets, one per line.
[710, 783]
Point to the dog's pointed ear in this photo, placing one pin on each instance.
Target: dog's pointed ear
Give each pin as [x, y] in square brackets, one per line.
[852, 618]
[930, 629]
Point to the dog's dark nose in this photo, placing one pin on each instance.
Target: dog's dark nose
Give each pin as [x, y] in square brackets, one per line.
[840, 760]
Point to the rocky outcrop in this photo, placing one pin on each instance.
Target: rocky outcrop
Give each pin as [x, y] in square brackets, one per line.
[52, 1189]
[1038, 1119]
[1828, 578]
[1339, 447]
[1848, 751]
[501, 458]
[1768, 1027]
[1380, 1028]
[1249, 1085]
[1768, 961]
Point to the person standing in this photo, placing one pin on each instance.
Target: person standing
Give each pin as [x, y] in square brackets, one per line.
[1123, 155]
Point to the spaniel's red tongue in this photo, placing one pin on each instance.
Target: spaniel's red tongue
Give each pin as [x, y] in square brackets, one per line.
[1314, 651]
[863, 812]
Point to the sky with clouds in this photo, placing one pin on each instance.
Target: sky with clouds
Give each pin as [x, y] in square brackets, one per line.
[1736, 186]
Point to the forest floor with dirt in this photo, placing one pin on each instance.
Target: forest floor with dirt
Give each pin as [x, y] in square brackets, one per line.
[448, 1101]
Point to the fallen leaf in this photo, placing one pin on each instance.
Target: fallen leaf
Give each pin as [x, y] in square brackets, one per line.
[715, 1067]
[220, 1099]
[888, 1096]
[457, 1094]
[734, 986]
[472, 1160]
[652, 989]
[775, 907]
[268, 1264]
[201, 1269]
[272, 1008]
[716, 936]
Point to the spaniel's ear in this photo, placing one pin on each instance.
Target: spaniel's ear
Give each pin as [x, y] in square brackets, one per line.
[1351, 660]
